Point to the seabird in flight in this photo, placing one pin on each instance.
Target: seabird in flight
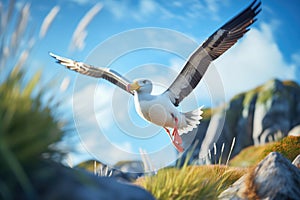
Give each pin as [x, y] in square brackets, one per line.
[161, 109]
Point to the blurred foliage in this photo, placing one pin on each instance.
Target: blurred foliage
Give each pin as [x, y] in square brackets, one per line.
[191, 182]
[28, 129]
[288, 147]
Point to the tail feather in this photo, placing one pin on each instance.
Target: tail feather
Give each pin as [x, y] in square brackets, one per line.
[192, 120]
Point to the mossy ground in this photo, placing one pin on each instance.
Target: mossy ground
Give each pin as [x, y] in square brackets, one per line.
[288, 147]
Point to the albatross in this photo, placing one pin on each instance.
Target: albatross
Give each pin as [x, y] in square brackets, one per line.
[162, 109]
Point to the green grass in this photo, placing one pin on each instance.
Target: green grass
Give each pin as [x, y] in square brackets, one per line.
[190, 182]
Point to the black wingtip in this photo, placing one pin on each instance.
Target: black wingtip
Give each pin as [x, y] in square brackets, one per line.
[248, 29]
[258, 11]
[253, 21]
[250, 6]
[256, 7]
[249, 13]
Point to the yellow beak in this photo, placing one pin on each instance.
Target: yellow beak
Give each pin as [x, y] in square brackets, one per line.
[133, 86]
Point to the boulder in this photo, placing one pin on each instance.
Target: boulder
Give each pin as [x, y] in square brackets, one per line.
[296, 161]
[275, 177]
[295, 131]
[55, 181]
[128, 170]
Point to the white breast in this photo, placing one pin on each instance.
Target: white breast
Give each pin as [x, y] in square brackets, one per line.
[156, 109]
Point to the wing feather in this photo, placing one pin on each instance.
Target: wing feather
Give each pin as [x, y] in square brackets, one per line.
[83, 68]
[219, 42]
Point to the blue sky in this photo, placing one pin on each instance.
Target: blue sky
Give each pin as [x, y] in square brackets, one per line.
[270, 50]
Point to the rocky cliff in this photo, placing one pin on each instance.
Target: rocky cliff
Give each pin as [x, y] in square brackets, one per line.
[263, 114]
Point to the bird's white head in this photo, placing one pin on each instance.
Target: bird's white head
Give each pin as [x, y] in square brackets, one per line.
[140, 85]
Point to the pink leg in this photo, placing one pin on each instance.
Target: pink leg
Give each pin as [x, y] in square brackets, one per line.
[175, 137]
[168, 131]
[175, 143]
[178, 147]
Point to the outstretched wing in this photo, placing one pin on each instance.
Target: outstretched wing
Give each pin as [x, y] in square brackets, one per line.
[211, 49]
[89, 70]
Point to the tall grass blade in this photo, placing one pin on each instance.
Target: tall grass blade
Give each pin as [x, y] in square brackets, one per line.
[221, 156]
[231, 148]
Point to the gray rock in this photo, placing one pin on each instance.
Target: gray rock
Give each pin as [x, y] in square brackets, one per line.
[54, 181]
[273, 178]
[295, 131]
[128, 170]
[296, 161]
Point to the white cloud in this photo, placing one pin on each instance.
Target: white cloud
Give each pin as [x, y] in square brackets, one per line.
[177, 4]
[101, 108]
[140, 11]
[200, 9]
[93, 120]
[177, 64]
[213, 8]
[107, 151]
[253, 61]
[145, 10]
[147, 7]
[296, 58]
[82, 2]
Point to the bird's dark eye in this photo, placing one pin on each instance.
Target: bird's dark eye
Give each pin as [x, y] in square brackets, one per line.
[144, 81]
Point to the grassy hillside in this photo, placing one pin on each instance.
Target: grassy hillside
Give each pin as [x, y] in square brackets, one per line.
[288, 146]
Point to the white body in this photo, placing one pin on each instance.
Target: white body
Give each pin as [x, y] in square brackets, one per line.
[161, 111]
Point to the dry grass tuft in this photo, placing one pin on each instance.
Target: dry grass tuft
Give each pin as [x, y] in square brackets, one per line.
[191, 182]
